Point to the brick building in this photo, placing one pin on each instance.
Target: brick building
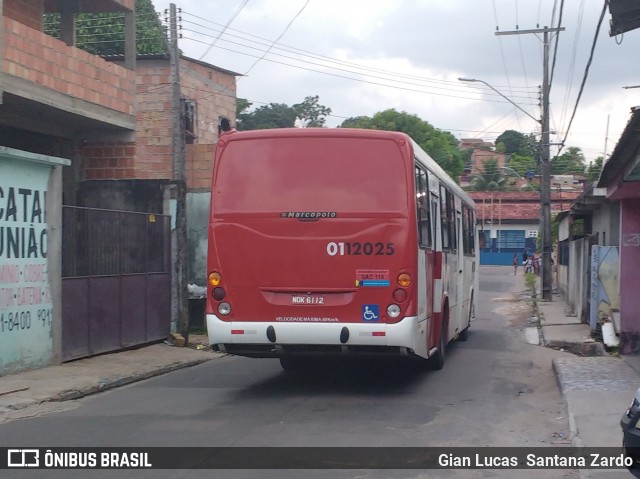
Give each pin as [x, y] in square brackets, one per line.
[78, 130]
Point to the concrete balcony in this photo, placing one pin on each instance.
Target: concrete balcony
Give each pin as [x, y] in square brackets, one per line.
[56, 89]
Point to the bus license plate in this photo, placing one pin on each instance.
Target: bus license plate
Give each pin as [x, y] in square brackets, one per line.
[307, 299]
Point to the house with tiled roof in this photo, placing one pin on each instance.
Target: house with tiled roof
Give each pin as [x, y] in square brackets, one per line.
[509, 221]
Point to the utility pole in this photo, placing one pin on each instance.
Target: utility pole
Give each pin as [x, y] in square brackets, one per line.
[179, 177]
[545, 165]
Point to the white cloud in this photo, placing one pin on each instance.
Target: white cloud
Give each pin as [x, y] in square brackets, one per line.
[430, 43]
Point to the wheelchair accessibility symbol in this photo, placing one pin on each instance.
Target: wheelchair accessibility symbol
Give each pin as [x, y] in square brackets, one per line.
[370, 312]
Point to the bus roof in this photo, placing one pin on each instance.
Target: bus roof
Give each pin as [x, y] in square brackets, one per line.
[422, 155]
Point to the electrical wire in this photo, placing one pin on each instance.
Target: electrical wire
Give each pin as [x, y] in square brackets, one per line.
[335, 75]
[279, 37]
[585, 76]
[233, 17]
[555, 48]
[314, 56]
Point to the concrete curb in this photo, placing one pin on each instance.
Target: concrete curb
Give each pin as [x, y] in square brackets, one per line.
[105, 384]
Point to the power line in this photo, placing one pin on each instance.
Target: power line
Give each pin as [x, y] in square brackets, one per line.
[279, 36]
[233, 17]
[306, 54]
[586, 74]
[395, 86]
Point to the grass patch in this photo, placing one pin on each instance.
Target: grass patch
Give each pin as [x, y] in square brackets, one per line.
[530, 280]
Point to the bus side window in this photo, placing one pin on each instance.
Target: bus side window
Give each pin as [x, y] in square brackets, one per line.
[468, 231]
[422, 208]
[444, 219]
[466, 228]
[453, 228]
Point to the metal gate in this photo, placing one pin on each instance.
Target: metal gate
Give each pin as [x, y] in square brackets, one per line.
[116, 280]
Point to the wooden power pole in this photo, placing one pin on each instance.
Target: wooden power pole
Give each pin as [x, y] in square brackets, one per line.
[545, 165]
[179, 177]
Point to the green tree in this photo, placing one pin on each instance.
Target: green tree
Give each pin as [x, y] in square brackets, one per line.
[103, 33]
[594, 169]
[522, 164]
[466, 157]
[442, 146]
[311, 112]
[516, 142]
[357, 122]
[570, 162]
[490, 178]
[279, 115]
[241, 105]
[273, 115]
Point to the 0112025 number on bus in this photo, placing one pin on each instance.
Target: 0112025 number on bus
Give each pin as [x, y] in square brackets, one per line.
[359, 249]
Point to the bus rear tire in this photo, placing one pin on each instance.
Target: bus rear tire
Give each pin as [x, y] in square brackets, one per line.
[291, 364]
[464, 334]
[437, 361]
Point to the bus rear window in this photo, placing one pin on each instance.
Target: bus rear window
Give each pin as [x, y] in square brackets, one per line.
[311, 174]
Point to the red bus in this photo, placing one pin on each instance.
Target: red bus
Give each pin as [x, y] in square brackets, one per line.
[336, 242]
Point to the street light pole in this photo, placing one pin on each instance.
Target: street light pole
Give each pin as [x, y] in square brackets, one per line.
[503, 96]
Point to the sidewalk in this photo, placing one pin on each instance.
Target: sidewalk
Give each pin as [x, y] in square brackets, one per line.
[83, 377]
[596, 386]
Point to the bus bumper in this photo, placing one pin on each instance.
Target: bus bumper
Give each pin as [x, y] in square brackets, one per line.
[277, 339]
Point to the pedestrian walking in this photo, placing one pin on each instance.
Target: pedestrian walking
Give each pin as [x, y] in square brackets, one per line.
[515, 264]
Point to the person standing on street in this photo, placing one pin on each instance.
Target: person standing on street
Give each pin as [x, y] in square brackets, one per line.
[515, 264]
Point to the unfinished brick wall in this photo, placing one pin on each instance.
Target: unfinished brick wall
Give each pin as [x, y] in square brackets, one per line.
[27, 12]
[31, 55]
[154, 129]
[108, 161]
[199, 166]
[212, 91]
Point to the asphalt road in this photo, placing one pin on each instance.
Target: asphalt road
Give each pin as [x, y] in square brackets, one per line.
[495, 390]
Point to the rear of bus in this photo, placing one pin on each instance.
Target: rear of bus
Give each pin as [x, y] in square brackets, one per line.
[312, 244]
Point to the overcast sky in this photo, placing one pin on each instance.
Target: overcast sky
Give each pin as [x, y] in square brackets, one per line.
[365, 56]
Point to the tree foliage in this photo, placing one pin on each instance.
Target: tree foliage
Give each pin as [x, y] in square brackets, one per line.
[280, 115]
[311, 112]
[516, 142]
[442, 146]
[570, 162]
[523, 165]
[594, 169]
[273, 115]
[490, 178]
[103, 33]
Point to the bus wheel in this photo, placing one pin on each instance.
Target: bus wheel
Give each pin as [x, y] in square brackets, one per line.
[464, 334]
[437, 361]
[291, 363]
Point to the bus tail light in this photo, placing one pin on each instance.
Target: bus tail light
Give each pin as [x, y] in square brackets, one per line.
[218, 294]
[393, 310]
[404, 280]
[215, 278]
[400, 295]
